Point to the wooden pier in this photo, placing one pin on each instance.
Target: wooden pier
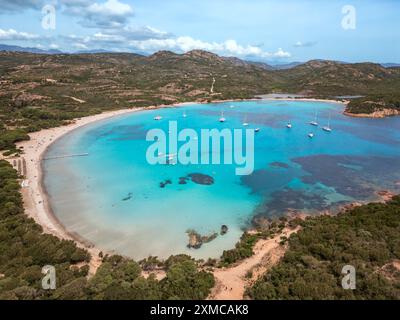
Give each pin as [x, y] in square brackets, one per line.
[67, 156]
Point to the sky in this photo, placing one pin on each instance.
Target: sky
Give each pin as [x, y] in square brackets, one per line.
[278, 31]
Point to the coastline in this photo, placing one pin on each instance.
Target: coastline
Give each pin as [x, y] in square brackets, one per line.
[375, 115]
[35, 197]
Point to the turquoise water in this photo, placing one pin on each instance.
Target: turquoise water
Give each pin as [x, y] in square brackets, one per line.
[113, 197]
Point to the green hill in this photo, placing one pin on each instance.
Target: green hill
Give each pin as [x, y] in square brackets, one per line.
[40, 91]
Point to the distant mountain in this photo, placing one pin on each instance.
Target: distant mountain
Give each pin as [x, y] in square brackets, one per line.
[391, 65]
[286, 66]
[263, 65]
[93, 51]
[5, 47]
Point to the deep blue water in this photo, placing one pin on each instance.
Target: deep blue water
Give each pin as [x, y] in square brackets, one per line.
[113, 197]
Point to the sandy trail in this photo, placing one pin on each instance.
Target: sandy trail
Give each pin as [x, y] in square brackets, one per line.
[231, 282]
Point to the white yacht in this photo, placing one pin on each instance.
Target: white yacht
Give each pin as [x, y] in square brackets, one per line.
[245, 123]
[315, 122]
[328, 127]
[222, 119]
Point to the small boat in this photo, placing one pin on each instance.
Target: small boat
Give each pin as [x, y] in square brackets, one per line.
[231, 106]
[289, 126]
[315, 122]
[222, 119]
[184, 114]
[257, 129]
[328, 127]
[157, 118]
[245, 123]
[311, 135]
[171, 159]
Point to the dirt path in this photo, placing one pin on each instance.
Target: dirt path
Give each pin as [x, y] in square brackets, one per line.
[231, 282]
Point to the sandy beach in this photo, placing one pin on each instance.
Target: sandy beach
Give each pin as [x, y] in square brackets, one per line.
[34, 196]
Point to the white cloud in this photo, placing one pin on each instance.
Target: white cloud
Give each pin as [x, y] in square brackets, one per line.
[150, 40]
[12, 34]
[19, 5]
[300, 44]
[54, 46]
[184, 44]
[110, 8]
[109, 14]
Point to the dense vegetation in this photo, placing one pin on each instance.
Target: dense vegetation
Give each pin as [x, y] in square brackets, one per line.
[24, 250]
[377, 102]
[366, 237]
[40, 91]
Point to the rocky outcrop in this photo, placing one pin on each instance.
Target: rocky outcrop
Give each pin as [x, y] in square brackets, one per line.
[163, 184]
[383, 113]
[224, 230]
[261, 222]
[200, 178]
[386, 195]
[196, 240]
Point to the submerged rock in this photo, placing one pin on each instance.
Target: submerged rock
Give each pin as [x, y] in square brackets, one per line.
[128, 197]
[165, 183]
[261, 222]
[183, 180]
[196, 240]
[278, 164]
[200, 178]
[224, 229]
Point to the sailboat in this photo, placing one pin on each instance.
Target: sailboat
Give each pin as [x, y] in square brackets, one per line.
[222, 119]
[328, 127]
[245, 123]
[315, 123]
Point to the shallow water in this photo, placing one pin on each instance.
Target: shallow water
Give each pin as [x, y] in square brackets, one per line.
[113, 198]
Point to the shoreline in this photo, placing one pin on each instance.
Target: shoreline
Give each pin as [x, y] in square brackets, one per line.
[35, 197]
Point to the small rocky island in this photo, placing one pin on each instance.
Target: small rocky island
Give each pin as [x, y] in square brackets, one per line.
[224, 230]
[197, 178]
[163, 184]
[196, 240]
